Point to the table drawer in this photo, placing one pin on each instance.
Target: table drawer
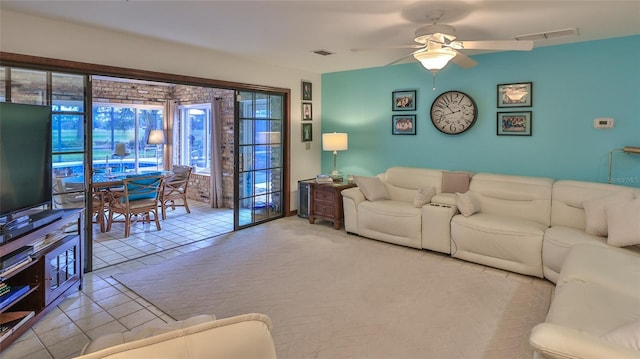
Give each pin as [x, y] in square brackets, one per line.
[324, 196]
[323, 209]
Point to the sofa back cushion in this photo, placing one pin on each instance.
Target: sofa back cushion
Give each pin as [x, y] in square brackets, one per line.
[403, 182]
[567, 208]
[514, 196]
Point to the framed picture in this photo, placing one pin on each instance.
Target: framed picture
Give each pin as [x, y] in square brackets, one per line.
[306, 91]
[307, 111]
[514, 123]
[307, 132]
[404, 100]
[403, 124]
[515, 95]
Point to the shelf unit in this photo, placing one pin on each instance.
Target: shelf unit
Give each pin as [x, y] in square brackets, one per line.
[54, 270]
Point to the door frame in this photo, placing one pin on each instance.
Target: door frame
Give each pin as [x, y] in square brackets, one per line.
[84, 68]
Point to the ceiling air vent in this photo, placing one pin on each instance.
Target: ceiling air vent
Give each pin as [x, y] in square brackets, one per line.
[323, 52]
[549, 35]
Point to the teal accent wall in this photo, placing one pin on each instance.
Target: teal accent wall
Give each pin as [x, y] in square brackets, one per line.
[572, 85]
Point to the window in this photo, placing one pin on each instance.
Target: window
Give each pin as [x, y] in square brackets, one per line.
[120, 133]
[195, 137]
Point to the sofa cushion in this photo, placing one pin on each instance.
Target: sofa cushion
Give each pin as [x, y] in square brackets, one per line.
[403, 182]
[453, 182]
[595, 211]
[591, 307]
[616, 269]
[423, 196]
[557, 243]
[510, 243]
[372, 188]
[514, 196]
[467, 204]
[627, 335]
[391, 221]
[623, 222]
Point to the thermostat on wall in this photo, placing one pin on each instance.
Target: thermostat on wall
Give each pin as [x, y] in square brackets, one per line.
[604, 122]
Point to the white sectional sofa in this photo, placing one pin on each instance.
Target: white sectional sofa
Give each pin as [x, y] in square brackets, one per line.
[583, 236]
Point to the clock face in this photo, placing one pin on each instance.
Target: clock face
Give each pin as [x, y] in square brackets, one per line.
[453, 112]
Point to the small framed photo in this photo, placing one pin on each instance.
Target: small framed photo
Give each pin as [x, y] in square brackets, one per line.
[307, 111]
[404, 100]
[306, 91]
[307, 132]
[403, 124]
[514, 123]
[515, 95]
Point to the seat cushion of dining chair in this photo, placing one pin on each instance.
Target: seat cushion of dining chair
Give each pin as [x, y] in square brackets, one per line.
[136, 204]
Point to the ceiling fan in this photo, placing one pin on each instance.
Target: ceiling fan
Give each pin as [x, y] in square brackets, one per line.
[437, 45]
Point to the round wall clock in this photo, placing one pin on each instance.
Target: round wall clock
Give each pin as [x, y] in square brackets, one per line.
[453, 112]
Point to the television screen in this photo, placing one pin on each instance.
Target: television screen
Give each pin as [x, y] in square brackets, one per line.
[25, 157]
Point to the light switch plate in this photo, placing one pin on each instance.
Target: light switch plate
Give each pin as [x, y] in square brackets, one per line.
[604, 122]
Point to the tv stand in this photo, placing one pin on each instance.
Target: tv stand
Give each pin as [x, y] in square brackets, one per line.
[55, 268]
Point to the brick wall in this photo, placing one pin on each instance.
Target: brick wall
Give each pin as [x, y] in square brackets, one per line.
[157, 94]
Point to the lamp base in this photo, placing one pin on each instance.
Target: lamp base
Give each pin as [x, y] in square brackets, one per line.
[336, 176]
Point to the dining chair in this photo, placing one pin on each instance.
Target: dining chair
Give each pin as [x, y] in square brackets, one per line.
[140, 195]
[99, 199]
[175, 189]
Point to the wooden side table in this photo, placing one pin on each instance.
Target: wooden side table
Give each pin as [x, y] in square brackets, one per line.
[326, 202]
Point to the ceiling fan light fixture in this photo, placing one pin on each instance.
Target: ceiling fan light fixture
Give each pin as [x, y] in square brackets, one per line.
[435, 59]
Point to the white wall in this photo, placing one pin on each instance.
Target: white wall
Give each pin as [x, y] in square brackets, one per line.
[29, 35]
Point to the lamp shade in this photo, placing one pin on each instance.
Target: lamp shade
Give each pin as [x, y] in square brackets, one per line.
[156, 137]
[435, 59]
[335, 141]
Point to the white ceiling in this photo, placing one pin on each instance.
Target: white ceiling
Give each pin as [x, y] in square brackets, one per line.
[286, 32]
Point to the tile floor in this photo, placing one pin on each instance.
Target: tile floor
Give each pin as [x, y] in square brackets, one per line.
[105, 306]
[102, 306]
[180, 228]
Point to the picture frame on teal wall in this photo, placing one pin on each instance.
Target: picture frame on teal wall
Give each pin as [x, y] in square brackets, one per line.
[404, 100]
[403, 124]
[307, 132]
[515, 123]
[515, 94]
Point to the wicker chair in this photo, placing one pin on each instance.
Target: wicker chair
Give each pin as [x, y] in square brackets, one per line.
[175, 189]
[140, 196]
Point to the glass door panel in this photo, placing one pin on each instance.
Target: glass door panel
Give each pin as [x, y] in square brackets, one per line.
[258, 144]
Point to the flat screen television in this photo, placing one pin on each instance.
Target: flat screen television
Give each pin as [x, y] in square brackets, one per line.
[25, 158]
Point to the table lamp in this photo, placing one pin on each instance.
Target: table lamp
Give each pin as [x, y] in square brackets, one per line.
[156, 137]
[335, 142]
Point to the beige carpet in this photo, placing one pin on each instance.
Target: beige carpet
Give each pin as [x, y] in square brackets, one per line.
[333, 295]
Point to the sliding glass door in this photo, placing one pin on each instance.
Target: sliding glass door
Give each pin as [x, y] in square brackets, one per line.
[259, 176]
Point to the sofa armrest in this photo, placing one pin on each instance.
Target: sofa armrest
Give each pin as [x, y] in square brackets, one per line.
[554, 341]
[351, 198]
[243, 336]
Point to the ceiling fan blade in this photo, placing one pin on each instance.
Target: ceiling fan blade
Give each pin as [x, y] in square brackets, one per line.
[404, 57]
[493, 45]
[463, 60]
[417, 46]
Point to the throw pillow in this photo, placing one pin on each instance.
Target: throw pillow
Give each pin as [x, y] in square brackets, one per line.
[423, 196]
[624, 224]
[627, 335]
[372, 188]
[453, 182]
[467, 203]
[596, 214]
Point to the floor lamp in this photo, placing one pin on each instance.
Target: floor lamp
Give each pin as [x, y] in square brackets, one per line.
[626, 149]
[335, 142]
[156, 137]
